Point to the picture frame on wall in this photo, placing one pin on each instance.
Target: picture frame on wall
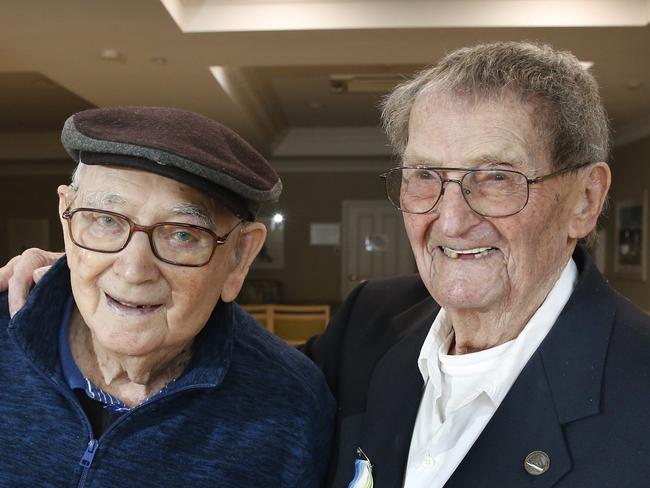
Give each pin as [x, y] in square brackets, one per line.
[631, 251]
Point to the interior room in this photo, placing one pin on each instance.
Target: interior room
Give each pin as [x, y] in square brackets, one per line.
[301, 80]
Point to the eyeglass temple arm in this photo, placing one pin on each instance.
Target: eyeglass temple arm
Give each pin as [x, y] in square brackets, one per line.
[532, 181]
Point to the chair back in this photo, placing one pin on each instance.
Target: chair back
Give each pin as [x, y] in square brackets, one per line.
[297, 323]
[293, 323]
[262, 313]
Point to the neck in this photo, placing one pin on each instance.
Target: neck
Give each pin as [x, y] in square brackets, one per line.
[476, 330]
[480, 329]
[132, 379]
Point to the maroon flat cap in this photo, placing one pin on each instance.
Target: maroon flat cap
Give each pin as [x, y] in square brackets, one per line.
[178, 144]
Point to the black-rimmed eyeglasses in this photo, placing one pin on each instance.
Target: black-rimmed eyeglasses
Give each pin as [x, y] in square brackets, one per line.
[172, 242]
[488, 192]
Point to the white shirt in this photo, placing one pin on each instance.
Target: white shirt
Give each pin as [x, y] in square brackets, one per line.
[462, 392]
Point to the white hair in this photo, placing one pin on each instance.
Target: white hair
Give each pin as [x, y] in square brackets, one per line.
[76, 176]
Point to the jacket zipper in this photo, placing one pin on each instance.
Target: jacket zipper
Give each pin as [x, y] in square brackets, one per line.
[93, 444]
[87, 460]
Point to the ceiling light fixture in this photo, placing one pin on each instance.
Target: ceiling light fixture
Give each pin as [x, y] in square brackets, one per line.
[368, 83]
[110, 54]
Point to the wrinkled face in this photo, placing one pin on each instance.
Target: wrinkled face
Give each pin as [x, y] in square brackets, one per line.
[472, 262]
[132, 302]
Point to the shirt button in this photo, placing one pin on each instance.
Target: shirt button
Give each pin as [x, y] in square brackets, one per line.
[428, 462]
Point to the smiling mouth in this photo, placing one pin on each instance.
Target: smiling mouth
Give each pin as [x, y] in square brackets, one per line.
[127, 306]
[474, 253]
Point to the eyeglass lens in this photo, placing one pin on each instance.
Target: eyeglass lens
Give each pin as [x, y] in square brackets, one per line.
[492, 193]
[106, 232]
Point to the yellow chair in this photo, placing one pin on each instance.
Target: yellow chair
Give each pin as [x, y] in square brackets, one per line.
[297, 323]
[262, 313]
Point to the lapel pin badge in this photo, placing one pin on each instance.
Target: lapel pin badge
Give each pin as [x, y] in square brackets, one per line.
[537, 462]
[362, 471]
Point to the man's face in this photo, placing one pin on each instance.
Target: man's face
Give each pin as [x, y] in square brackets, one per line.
[528, 250]
[133, 303]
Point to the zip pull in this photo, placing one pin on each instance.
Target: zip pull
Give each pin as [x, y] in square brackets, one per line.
[88, 456]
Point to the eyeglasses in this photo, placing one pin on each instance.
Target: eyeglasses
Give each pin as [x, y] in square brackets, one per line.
[172, 242]
[488, 192]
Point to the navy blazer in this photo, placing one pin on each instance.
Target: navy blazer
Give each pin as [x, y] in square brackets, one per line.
[583, 397]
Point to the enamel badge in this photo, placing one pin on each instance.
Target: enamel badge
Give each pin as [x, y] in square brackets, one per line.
[362, 472]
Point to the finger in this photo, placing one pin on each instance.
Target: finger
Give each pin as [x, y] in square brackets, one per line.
[18, 291]
[5, 273]
[39, 272]
[22, 277]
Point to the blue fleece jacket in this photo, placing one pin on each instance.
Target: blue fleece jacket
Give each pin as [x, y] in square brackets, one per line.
[249, 411]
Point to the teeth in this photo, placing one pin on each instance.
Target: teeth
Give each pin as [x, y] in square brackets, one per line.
[131, 305]
[478, 252]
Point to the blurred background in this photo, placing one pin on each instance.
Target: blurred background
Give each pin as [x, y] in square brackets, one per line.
[301, 81]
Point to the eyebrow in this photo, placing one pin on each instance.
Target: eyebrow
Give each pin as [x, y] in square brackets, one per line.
[103, 199]
[486, 160]
[496, 160]
[193, 210]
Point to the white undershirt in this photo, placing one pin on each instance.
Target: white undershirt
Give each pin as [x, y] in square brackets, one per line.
[462, 392]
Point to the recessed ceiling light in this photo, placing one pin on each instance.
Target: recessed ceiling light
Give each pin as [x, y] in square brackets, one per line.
[633, 84]
[109, 54]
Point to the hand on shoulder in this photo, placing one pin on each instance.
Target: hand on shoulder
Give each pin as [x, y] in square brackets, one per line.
[21, 272]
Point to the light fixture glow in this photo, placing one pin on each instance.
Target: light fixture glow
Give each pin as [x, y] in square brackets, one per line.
[278, 218]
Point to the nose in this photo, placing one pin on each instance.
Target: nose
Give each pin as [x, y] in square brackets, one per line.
[455, 217]
[136, 263]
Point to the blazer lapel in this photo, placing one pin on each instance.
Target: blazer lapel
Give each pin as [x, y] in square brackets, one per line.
[560, 384]
[394, 396]
[525, 421]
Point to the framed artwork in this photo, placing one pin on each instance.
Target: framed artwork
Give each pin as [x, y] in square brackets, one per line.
[631, 252]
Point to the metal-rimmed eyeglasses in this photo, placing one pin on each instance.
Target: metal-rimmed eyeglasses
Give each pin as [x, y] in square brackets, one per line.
[171, 242]
[488, 192]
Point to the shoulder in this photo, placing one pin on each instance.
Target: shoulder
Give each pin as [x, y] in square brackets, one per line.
[385, 297]
[631, 333]
[404, 287]
[273, 363]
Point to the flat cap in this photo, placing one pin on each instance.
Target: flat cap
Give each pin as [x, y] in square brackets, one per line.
[178, 144]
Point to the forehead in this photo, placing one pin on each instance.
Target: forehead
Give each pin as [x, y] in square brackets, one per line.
[114, 186]
[452, 130]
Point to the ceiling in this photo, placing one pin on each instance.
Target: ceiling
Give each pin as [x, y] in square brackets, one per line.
[263, 67]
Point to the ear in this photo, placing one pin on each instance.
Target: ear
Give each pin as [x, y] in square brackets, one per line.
[250, 242]
[591, 193]
[66, 195]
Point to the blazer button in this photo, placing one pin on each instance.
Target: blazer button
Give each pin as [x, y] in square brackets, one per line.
[537, 462]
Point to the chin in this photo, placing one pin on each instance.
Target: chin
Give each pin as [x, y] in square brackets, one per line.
[464, 298]
[129, 345]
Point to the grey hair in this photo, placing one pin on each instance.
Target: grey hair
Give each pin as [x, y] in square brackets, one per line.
[76, 176]
[569, 112]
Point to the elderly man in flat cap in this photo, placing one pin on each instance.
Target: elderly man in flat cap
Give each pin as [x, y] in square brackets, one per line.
[129, 365]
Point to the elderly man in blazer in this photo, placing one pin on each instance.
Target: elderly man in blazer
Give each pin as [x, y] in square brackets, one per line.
[507, 361]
